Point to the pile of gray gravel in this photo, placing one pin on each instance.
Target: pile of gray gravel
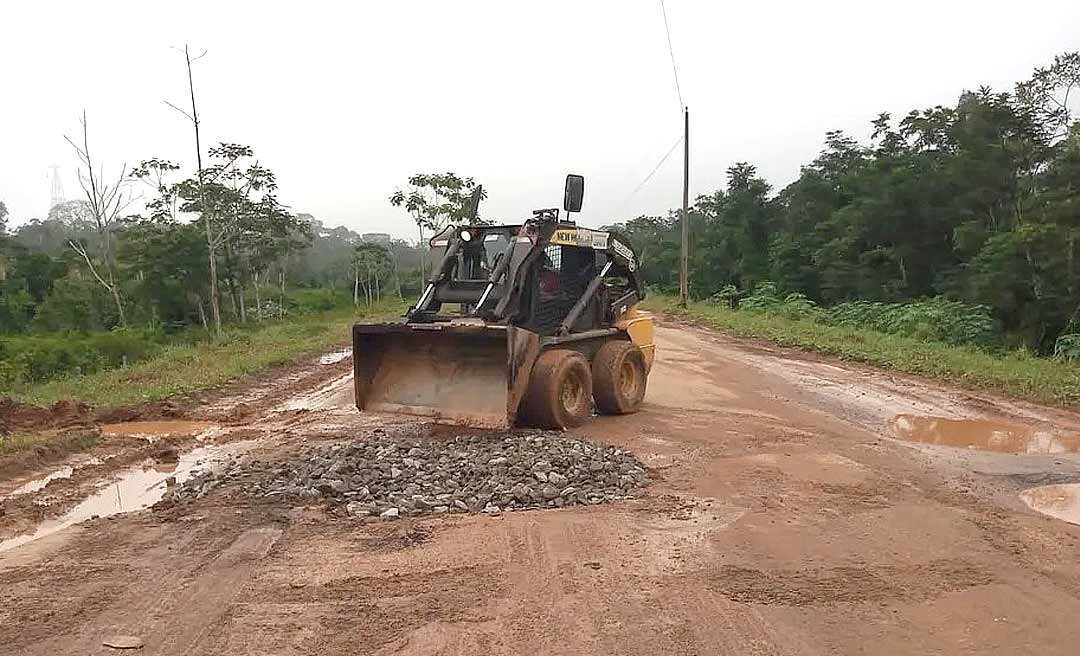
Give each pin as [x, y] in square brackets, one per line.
[390, 477]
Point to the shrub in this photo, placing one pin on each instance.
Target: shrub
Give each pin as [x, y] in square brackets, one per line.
[31, 359]
[936, 319]
[1067, 347]
[728, 296]
[766, 298]
[307, 301]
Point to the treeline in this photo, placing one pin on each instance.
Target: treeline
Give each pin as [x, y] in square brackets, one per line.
[91, 269]
[978, 203]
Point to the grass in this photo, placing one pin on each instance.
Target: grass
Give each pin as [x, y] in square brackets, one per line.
[186, 368]
[1018, 374]
[67, 443]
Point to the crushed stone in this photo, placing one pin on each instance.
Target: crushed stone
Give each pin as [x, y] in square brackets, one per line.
[386, 477]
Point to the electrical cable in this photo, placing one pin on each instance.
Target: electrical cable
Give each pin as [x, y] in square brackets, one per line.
[650, 175]
[671, 51]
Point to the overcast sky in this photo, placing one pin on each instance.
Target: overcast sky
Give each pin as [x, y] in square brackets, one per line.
[345, 100]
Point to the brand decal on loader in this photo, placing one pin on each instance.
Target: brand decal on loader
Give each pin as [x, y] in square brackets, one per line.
[595, 239]
[623, 250]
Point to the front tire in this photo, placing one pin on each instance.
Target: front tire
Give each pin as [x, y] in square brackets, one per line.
[619, 378]
[560, 387]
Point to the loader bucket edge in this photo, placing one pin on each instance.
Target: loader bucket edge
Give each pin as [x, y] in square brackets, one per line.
[467, 375]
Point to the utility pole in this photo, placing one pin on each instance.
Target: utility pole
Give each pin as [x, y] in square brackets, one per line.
[56, 188]
[684, 277]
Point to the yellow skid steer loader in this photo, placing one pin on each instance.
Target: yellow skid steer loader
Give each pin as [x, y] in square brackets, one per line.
[546, 323]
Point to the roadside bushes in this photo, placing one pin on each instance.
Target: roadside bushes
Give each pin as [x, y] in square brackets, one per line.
[29, 359]
[307, 301]
[1067, 347]
[938, 319]
[935, 319]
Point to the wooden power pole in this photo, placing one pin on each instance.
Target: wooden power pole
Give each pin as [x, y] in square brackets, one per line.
[684, 277]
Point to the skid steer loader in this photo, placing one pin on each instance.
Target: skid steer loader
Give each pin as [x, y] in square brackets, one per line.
[546, 322]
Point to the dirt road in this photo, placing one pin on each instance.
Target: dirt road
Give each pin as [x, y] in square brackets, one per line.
[783, 518]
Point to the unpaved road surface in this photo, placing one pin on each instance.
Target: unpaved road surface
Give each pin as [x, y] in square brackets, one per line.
[782, 518]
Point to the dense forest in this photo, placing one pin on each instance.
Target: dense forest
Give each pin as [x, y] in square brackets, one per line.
[977, 203]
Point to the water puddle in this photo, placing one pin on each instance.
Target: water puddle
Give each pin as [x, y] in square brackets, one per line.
[154, 430]
[135, 488]
[65, 471]
[335, 357]
[39, 483]
[1058, 501]
[985, 435]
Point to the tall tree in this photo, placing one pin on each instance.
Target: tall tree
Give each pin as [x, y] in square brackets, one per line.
[106, 201]
[434, 200]
[371, 265]
[213, 241]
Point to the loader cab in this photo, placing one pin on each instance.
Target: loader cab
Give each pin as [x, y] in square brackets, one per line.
[478, 252]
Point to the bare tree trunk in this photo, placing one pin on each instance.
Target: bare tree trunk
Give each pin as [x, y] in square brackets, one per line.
[202, 313]
[281, 302]
[235, 302]
[397, 276]
[258, 301]
[211, 245]
[356, 286]
[119, 305]
[232, 300]
[243, 308]
[105, 203]
[214, 306]
[420, 250]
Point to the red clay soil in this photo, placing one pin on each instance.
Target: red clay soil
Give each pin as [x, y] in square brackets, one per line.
[784, 517]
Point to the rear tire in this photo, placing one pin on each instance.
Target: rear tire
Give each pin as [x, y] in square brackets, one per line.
[559, 391]
[619, 377]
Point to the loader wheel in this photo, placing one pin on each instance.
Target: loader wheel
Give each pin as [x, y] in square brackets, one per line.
[619, 378]
[559, 390]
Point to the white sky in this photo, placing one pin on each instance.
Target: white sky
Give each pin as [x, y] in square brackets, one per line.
[345, 100]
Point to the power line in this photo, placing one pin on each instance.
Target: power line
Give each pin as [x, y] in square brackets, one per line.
[651, 174]
[671, 51]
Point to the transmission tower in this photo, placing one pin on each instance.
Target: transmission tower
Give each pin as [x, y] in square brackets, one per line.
[56, 188]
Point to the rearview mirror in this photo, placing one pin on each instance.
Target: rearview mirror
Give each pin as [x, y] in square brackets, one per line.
[575, 193]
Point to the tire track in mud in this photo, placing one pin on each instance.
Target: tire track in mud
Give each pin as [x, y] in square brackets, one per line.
[847, 584]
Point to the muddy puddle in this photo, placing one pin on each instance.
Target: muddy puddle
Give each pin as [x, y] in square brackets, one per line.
[154, 430]
[1058, 501]
[135, 488]
[64, 471]
[985, 435]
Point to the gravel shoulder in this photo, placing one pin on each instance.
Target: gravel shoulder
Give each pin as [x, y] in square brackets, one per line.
[781, 517]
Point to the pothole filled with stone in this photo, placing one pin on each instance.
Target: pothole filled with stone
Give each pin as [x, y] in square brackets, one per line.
[390, 477]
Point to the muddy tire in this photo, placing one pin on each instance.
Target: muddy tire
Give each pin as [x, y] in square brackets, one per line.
[559, 391]
[619, 378]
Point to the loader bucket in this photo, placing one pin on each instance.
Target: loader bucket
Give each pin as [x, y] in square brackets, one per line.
[462, 374]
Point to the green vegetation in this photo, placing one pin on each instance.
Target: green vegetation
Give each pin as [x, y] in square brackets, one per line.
[1017, 373]
[63, 444]
[184, 368]
[970, 211]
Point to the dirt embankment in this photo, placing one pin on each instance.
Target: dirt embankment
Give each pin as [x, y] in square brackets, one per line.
[784, 516]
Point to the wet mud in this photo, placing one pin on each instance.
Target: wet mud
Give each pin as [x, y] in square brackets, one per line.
[1057, 501]
[135, 488]
[153, 431]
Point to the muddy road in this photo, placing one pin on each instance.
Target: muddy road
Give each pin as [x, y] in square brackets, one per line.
[797, 506]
